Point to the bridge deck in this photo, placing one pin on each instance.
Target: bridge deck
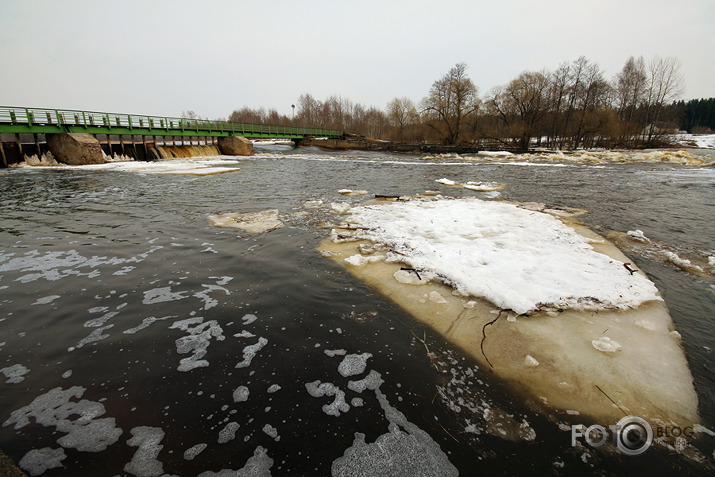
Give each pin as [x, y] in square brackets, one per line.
[48, 121]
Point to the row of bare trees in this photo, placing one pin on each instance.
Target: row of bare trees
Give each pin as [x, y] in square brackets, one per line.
[575, 106]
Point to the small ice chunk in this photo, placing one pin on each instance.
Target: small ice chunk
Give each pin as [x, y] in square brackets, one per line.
[435, 297]
[352, 192]
[638, 235]
[353, 364]
[445, 181]
[675, 335]
[67, 374]
[192, 452]
[274, 388]
[530, 361]
[340, 207]
[359, 260]
[241, 394]
[15, 373]
[409, 277]
[312, 204]
[606, 345]
[37, 461]
[356, 402]
[253, 222]
[228, 433]
[648, 325]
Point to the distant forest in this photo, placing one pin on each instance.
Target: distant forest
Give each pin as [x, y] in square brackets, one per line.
[574, 106]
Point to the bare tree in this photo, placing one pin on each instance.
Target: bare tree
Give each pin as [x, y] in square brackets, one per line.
[665, 84]
[451, 98]
[520, 106]
[401, 113]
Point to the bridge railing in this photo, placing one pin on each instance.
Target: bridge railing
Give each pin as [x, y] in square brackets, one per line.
[92, 120]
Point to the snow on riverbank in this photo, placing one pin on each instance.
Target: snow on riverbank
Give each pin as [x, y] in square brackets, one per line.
[515, 258]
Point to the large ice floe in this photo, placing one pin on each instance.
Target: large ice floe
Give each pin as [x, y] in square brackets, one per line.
[547, 304]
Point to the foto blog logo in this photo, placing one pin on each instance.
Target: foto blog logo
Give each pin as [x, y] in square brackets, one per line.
[632, 435]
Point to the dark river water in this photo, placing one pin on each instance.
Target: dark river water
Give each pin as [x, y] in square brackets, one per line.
[138, 339]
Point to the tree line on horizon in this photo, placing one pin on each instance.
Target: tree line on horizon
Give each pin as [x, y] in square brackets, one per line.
[572, 107]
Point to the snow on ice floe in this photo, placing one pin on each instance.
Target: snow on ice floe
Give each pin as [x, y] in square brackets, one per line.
[518, 259]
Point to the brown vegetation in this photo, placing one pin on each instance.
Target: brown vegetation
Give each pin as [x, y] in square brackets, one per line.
[573, 107]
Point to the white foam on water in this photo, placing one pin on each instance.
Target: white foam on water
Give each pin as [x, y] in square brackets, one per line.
[353, 364]
[97, 322]
[241, 394]
[258, 465]
[271, 431]
[162, 295]
[144, 463]
[228, 433]
[15, 373]
[37, 461]
[204, 295]
[93, 337]
[196, 342]
[248, 319]
[249, 352]
[318, 389]
[52, 266]
[335, 352]
[86, 432]
[192, 452]
[146, 322]
[46, 300]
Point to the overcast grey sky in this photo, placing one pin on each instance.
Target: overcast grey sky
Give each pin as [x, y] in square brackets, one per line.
[213, 56]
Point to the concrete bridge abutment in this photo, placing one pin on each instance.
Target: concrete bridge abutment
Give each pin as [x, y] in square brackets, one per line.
[75, 148]
[235, 146]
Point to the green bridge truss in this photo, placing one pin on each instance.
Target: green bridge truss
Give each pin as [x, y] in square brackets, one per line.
[47, 121]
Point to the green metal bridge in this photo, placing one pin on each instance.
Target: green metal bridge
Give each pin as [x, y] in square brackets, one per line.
[20, 120]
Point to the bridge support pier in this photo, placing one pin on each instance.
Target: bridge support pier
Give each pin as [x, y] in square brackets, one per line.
[235, 146]
[75, 148]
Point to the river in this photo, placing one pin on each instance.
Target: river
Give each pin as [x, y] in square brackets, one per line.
[188, 348]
